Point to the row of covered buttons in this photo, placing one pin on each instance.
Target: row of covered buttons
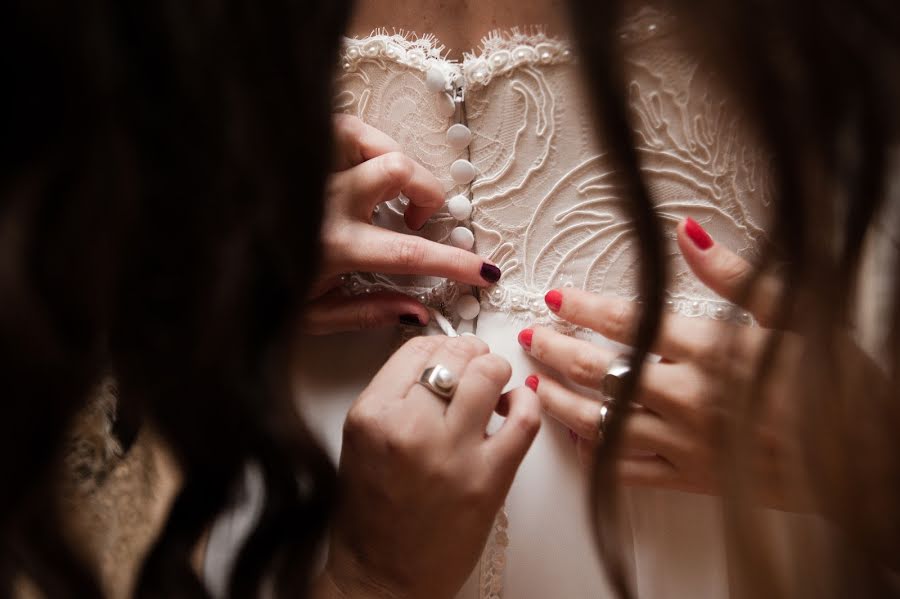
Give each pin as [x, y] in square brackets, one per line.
[462, 172]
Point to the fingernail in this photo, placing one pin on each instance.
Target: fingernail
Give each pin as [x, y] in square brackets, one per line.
[525, 336]
[573, 436]
[532, 381]
[698, 234]
[411, 320]
[490, 273]
[553, 300]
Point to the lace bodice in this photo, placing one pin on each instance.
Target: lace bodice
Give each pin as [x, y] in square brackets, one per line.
[544, 203]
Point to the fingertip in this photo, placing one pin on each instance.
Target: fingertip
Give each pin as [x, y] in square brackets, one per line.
[554, 299]
[695, 234]
[525, 338]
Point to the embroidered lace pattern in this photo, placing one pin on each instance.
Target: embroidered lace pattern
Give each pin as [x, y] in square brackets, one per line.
[546, 206]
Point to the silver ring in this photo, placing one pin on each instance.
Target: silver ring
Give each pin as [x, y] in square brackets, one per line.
[617, 374]
[606, 409]
[440, 380]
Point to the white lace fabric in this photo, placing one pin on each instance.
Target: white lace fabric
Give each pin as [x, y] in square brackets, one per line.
[546, 207]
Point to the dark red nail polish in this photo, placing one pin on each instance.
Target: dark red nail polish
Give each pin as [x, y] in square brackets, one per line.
[411, 320]
[532, 381]
[490, 273]
[525, 336]
[698, 234]
[553, 300]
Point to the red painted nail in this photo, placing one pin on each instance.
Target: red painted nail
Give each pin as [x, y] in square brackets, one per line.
[698, 234]
[553, 300]
[532, 382]
[525, 336]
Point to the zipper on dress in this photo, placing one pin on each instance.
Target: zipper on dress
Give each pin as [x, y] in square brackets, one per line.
[459, 99]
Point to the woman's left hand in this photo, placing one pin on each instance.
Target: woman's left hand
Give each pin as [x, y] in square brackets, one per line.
[673, 437]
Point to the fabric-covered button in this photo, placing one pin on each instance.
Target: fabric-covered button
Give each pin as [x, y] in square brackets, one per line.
[459, 207]
[462, 238]
[459, 136]
[435, 80]
[462, 171]
[446, 106]
[468, 307]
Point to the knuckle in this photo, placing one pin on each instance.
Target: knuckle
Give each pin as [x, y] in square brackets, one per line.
[529, 421]
[617, 316]
[408, 252]
[731, 270]
[361, 423]
[408, 440]
[465, 348]
[587, 419]
[586, 368]
[493, 368]
[347, 126]
[368, 317]
[424, 344]
[397, 168]
[334, 240]
[472, 489]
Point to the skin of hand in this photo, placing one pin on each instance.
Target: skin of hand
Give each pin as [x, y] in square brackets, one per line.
[421, 480]
[370, 169]
[672, 437]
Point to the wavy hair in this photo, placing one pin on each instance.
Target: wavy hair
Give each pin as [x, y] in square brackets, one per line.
[161, 184]
[819, 81]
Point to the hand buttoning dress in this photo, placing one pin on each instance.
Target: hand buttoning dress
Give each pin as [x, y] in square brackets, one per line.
[529, 186]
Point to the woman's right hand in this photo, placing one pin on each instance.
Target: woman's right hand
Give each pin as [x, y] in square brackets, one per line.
[421, 480]
[371, 169]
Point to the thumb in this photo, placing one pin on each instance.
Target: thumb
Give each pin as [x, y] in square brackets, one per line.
[511, 442]
[728, 274]
[336, 313]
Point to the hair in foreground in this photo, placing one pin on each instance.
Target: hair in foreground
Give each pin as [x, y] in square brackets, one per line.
[819, 80]
[162, 170]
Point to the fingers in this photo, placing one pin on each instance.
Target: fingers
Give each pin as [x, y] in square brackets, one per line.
[649, 471]
[581, 361]
[478, 393]
[337, 313]
[379, 171]
[574, 411]
[371, 249]
[455, 354]
[726, 273]
[403, 369]
[644, 431]
[507, 447]
[664, 388]
[356, 142]
[617, 319]
[383, 178]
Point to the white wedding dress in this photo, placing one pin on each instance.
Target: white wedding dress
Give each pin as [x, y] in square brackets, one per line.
[539, 199]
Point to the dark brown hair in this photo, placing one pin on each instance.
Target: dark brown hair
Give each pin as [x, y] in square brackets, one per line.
[820, 82]
[161, 179]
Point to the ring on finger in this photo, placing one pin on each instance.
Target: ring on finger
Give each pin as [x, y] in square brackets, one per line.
[617, 374]
[440, 380]
[606, 410]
